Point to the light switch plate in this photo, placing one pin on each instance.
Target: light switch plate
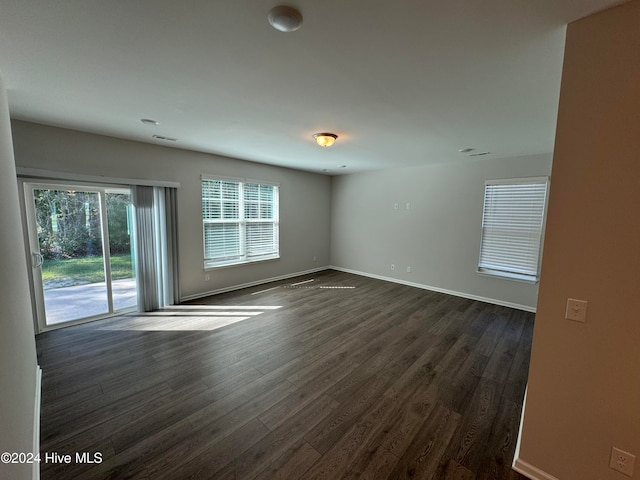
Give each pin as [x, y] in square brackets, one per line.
[576, 310]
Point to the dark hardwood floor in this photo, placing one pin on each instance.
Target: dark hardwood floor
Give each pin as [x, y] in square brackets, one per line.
[342, 377]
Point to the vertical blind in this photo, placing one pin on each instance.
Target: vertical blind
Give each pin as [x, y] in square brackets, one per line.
[512, 224]
[240, 221]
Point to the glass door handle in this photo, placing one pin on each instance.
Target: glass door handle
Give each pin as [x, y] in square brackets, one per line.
[37, 260]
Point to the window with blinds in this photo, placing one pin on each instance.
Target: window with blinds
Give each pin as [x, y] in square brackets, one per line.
[240, 221]
[512, 226]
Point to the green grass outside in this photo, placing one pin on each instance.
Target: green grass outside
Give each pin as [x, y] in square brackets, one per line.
[78, 271]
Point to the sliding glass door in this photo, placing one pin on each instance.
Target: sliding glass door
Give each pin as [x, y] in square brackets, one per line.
[82, 256]
[122, 265]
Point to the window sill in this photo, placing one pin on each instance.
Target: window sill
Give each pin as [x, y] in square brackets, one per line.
[507, 276]
[235, 263]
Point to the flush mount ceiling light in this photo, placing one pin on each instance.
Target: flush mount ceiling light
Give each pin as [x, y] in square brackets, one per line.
[148, 121]
[285, 19]
[325, 139]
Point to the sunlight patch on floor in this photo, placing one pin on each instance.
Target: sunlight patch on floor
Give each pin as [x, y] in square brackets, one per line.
[189, 318]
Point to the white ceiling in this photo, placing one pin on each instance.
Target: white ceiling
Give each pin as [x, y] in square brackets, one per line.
[405, 82]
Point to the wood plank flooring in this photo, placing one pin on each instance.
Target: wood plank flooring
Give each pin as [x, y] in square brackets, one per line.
[341, 377]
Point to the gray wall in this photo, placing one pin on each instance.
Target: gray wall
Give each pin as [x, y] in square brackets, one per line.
[18, 371]
[438, 237]
[304, 197]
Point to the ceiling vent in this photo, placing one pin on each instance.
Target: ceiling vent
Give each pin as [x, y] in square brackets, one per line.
[162, 137]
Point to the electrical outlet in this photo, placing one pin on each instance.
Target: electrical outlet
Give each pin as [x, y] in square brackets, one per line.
[315, 258]
[408, 269]
[622, 461]
[393, 267]
[207, 277]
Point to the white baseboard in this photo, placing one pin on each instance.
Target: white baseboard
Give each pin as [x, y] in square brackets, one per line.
[494, 301]
[520, 465]
[36, 422]
[530, 471]
[251, 284]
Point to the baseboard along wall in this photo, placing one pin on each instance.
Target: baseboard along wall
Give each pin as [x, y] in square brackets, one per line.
[493, 301]
[530, 471]
[251, 284]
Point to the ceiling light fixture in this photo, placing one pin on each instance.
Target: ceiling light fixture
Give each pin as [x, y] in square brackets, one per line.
[325, 139]
[148, 121]
[285, 19]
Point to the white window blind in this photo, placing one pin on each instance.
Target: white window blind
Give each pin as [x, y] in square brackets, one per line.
[240, 221]
[512, 225]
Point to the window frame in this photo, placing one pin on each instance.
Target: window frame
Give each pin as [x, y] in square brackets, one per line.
[512, 273]
[244, 256]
